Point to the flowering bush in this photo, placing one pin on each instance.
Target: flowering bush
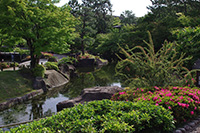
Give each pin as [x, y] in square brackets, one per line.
[4, 65]
[47, 55]
[182, 101]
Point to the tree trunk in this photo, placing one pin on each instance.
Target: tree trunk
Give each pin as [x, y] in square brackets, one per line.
[34, 59]
[82, 38]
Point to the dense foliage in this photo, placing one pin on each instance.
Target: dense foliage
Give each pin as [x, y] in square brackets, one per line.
[188, 42]
[105, 116]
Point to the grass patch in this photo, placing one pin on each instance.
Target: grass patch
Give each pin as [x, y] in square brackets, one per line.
[13, 84]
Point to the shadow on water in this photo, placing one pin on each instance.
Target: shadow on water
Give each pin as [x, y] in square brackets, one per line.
[45, 105]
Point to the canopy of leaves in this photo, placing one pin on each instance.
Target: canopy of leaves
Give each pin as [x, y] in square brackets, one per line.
[44, 26]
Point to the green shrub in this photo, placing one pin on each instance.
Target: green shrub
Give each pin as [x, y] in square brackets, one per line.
[184, 102]
[4, 65]
[52, 59]
[144, 66]
[67, 60]
[39, 71]
[51, 65]
[14, 64]
[105, 116]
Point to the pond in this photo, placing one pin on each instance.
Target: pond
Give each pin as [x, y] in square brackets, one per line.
[45, 105]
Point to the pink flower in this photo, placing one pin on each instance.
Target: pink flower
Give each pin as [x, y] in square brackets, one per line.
[192, 112]
[156, 87]
[133, 93]
[195, 108]
[192, 79]
[175, 87]
[121, 93]
[150, 92]
[188, 85]
[142, 90]
[155, 98]
[169, 107]
[157, 104]
[126, 100]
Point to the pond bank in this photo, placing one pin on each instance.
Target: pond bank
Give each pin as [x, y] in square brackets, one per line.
[53, 79]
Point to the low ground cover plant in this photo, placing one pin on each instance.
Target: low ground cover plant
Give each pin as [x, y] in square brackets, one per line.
[105, 116]
[184, 102]
[90, 56]
[67, 60]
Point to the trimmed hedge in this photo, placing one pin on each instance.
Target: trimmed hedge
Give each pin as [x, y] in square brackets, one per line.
[105, 116]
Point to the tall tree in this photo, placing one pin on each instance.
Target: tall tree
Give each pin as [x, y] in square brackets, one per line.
[161, 8]
[86, 26]
[103, 12]
[44, 26]
[128, 17]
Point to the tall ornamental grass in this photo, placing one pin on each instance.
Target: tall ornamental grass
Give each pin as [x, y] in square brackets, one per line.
[145, 67]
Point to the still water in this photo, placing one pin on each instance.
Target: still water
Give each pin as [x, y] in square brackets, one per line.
[45, 105]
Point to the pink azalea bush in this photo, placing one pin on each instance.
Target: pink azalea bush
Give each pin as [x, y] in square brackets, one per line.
[182, 101]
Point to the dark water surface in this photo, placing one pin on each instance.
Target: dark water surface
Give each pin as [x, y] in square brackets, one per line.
[45, 105]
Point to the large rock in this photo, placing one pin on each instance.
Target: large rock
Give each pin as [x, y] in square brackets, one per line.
[39, 83]
[90, 94]
[86, 63]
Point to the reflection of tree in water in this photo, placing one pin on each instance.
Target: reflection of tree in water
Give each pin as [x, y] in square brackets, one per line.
[37, 109]
[12, 115]
[100, 77]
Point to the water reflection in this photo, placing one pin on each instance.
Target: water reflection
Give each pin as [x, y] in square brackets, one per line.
[86, 79]
[45, 105]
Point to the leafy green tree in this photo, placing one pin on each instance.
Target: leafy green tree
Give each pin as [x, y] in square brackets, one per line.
[128, 17]
[44, 26]
[188, 42]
